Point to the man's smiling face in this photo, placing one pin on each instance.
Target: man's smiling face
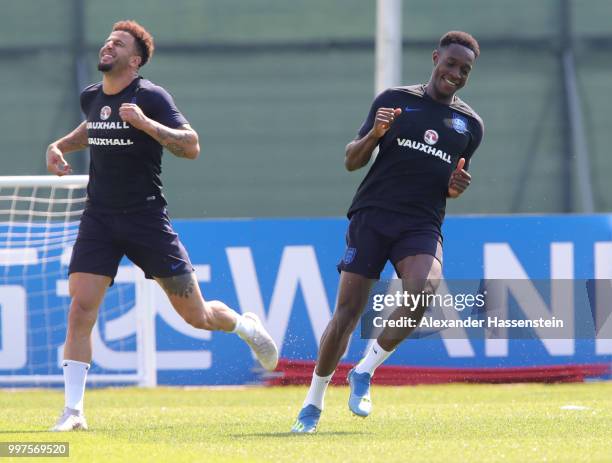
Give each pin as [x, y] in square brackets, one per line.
[452, 66]
[117, 51]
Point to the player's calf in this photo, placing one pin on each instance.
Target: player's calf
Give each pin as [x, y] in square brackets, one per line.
[199, 318]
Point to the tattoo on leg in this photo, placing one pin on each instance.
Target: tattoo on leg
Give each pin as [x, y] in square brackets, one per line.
[180, 285]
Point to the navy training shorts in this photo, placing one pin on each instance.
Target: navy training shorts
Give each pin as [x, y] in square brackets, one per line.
[145, 236]
[376, 235]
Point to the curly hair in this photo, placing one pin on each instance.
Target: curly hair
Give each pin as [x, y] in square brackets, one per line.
[460, 38]
[144, 40]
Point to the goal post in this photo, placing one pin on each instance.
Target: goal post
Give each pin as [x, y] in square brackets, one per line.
[39, 221]
[49, 181]
[388, 61]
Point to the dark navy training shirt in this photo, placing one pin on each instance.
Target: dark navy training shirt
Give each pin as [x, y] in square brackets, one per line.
[125, 163]
[417, 154]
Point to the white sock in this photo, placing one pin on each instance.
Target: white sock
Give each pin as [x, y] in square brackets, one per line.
[373, 359]
[245, 327]
[316, 393]
[75, 375]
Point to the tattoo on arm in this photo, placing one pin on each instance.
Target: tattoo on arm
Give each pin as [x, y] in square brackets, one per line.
[179, 285]
[75, 140]
[175, 140]
[176, 149]
[72, 144]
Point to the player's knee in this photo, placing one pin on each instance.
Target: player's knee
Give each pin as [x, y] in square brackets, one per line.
[430, 287]
[425, 286]
[83, 307]
[82, 315]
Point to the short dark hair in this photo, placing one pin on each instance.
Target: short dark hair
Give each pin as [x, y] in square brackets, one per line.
[460, 38]
[144, 40]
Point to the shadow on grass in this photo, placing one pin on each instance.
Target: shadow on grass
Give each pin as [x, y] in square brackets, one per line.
[293, 434]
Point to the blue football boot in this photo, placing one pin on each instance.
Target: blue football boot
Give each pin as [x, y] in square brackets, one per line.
[359, 400]
[307, 420]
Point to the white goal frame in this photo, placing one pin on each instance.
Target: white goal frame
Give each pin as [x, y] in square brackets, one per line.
[146, 371]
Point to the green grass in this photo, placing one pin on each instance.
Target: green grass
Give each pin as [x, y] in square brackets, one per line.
[516, 423]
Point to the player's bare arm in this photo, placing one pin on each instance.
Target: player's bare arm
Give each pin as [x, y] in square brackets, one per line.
[460, 179]
[182, 142]
[74, 141]
[359, 152]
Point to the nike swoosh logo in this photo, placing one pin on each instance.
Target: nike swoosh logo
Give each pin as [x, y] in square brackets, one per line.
[175, 266]
[410, 110]
[375, 351]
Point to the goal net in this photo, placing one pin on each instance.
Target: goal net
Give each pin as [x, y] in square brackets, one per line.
[39, 221]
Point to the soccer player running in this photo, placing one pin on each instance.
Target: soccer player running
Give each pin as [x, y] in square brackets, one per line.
[426, 137]
[128, 122]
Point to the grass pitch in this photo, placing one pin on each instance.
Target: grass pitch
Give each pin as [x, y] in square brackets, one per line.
[451, 423]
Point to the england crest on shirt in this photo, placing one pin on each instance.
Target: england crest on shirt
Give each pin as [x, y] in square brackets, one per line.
[459, 123]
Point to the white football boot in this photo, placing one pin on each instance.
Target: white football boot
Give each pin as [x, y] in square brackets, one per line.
[261, 343]
[71, 420]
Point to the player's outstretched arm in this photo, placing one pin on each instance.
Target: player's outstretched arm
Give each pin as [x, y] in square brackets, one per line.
[358, 152]
[460, 179]
[74, 141]
[182, 142]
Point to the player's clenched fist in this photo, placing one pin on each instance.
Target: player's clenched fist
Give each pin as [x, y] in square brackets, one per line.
[384, 118]
[133, 115]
